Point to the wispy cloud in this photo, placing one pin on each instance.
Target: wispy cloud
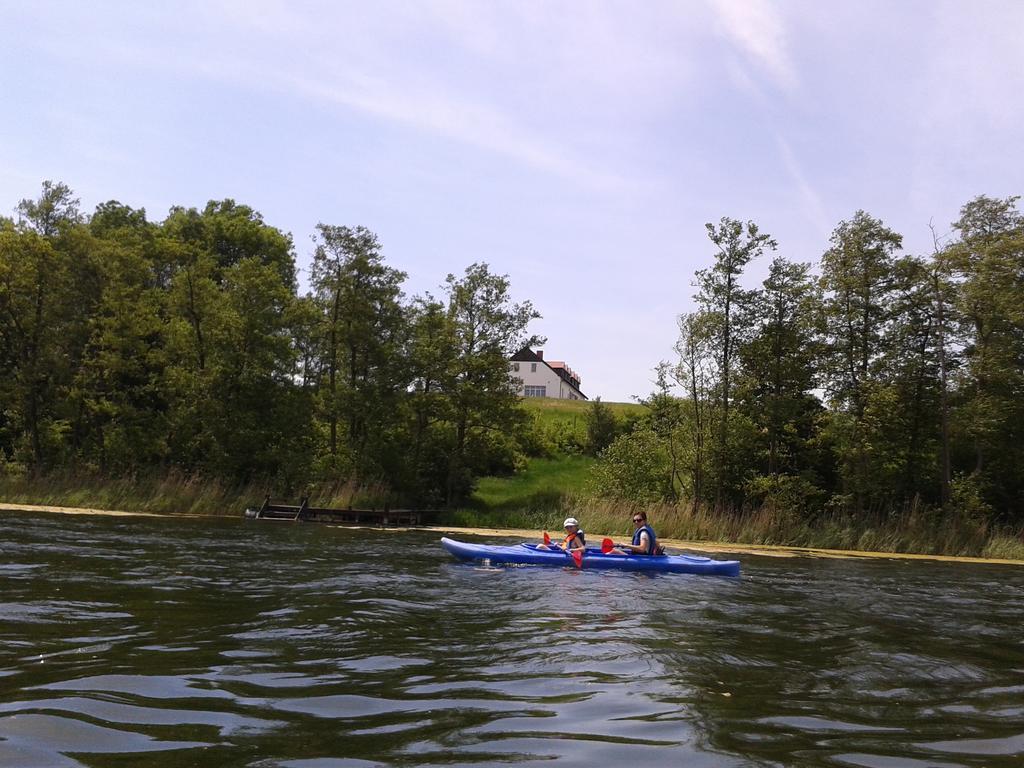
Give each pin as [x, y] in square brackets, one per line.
[542, 85]
[555, 87]
[757, 29]
[813, 208]
[446, 115]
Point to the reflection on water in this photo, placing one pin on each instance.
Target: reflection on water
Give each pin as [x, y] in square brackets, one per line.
[164, 642]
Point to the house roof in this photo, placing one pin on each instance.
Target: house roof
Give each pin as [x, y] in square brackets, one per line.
[527, 355]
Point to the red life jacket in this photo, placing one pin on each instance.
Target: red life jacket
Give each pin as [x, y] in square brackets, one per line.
[571, 538]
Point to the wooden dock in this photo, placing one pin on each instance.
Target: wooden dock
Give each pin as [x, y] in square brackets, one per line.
[303, 513]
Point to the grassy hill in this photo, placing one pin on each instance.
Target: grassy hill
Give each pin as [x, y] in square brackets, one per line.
[545, 482]
[570, 416]
[552, 409]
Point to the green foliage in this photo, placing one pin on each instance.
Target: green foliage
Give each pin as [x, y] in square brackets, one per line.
[968, 498]
[42, 329]
[919, 362]
[635, 466]
[182, 345]
[777, 370]
[602, 427]
[887, 386]
[560, 427]
[987, 316]
[484, 328]
[362, 329]
[724, 308]
[790, 496]
[856, 278]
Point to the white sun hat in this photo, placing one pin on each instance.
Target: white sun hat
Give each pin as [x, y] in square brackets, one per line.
[571, 521]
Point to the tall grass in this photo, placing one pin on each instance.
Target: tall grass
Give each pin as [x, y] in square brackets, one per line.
[167, 493]
[550, 489]
[916, 531]
[539, 498]
[912, 532]
[170, 492]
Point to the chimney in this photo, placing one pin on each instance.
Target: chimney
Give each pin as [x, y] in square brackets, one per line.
[540, 354]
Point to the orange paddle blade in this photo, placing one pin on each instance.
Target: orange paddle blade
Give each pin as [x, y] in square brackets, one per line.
[577, 557]
[607, 545]
[547, 539]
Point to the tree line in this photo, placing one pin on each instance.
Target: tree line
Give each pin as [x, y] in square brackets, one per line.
[885, 382]
[130, 345]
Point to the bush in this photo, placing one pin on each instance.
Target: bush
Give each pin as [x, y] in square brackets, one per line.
[967, 498]
[634, 467]
[602, 427]
[793, 496]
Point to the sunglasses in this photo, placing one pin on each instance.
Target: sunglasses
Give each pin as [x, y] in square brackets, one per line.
[638, 519]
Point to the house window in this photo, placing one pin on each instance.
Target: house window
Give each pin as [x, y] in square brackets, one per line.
[529, 391]
[515, 367]
[533, 367]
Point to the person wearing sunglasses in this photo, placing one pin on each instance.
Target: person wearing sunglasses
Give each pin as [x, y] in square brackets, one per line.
[645, 542]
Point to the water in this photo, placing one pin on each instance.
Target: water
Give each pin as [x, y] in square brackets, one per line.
[170, 642]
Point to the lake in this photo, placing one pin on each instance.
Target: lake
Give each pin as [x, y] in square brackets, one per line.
[183, 642]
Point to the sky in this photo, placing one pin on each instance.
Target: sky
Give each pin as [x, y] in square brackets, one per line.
[577, 146]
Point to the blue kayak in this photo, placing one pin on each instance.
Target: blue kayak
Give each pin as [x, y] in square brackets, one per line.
[534, 554]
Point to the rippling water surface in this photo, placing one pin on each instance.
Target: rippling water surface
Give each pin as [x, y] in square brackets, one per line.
[171, 642]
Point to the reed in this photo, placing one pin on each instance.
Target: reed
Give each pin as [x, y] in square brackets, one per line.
[917, 530]
[540, 506]
[169, 492]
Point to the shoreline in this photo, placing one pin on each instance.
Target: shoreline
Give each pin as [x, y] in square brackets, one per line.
[16, 507]
[762, 550]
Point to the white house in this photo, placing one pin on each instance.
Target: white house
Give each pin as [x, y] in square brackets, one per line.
[544, 378]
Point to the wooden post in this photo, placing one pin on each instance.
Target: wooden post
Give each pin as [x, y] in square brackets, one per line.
[263, 507]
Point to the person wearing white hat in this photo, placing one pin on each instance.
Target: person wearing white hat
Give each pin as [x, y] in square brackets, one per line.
[574, 538]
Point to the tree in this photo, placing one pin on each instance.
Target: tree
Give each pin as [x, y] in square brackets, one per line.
[942, 297]
[857, 277]
[262, 420]
[363, 334]
[694, 372]
[601, 426]
[667, 419]
[431, 356]
[633, 468]
[909, 443]
[485, 327]
[44, 305]
[986, 264]
[54, 211]
[120, 401]
[32, 279]
[231, 360]
[229, 232]
[775, 389]
[724, 301]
